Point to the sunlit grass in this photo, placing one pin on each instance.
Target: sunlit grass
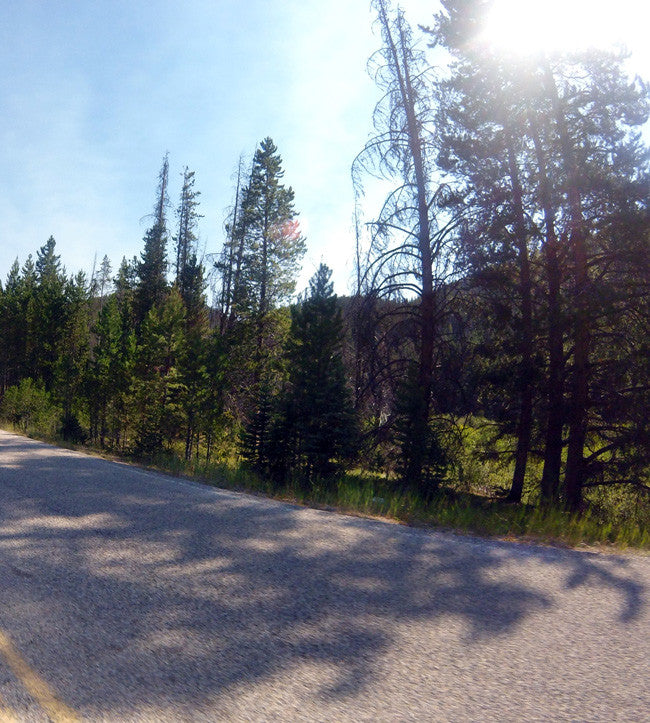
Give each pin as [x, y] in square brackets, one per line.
[465, 504]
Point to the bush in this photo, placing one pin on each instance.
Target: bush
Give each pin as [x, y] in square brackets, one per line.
[30, 408]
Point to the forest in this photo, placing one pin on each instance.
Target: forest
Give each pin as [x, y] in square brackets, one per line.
[489, 368]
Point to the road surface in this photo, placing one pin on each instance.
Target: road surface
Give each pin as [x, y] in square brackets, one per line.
[129, 595]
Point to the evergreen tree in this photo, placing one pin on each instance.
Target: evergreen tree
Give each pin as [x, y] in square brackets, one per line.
[186, 238]
[264, 257]
[47, 318]
[158, 386]
[13, 328]
[73, 355]
[193, 355]
[584, 189]
[120, 411]
[315, 430]
[104, 375]
[229, 263]
[152, 268]
[104, 282]
[272, 246]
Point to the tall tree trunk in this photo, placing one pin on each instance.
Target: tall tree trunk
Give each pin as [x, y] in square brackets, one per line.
[427, 306]
[554, 383]
[262, 311]
[230, 280]
[574, 473]
[524, 423]
[189, 436]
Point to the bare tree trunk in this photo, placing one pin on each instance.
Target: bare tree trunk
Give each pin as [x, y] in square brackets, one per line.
[189, 435]
[524, 423]
[427, 306]
[574, 473]
[232, 255]
[555, 383]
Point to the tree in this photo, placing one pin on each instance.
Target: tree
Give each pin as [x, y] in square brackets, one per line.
[585, 190]
[186, 238]
[482, 125]
[262, 259]
[73, 353]
[47, 316]
[151, 270]
[230, 261]
[407, 261]
[104, 282]
[158, 385]
[315, 429]
[272, 244]
[14, 301]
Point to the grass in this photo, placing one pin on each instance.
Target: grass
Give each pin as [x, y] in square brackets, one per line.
[458, 506]
[372, 495]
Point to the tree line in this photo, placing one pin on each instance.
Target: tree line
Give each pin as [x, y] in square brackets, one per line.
[504, 283]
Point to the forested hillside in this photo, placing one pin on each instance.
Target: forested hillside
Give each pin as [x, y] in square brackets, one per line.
[495, 343]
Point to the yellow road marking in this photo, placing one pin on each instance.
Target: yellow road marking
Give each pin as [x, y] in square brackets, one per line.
[39, 690]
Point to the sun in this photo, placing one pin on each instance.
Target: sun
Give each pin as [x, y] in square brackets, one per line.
[529, 26]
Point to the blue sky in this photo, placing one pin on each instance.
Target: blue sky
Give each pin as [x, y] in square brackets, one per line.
[92, 94]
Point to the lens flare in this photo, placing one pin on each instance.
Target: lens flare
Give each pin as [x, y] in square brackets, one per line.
[530, 26]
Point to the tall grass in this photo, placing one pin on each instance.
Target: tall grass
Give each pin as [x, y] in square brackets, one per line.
[467, 503]
[450, 509]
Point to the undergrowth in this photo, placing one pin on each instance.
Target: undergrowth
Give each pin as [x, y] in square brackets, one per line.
[469, 505]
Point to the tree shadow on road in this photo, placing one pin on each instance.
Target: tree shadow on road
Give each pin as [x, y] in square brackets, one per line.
[181, 594]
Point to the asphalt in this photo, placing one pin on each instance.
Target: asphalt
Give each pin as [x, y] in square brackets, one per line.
[129, 595]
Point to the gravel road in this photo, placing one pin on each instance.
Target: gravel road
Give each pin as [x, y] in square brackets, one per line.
[128, 595]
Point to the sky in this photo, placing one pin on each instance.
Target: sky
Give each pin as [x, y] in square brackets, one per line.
[93, 94]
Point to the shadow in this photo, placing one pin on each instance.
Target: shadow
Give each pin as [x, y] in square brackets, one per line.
[180, 592]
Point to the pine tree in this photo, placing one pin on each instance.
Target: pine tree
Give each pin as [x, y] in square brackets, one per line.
[186, 238]
[408, 261]
[229, 263]
[158, 386]
[265, 254]
[152, 268]
[104, 376]
[104, 281]
[13, 328]
[272, 244]
[585, 190]
[48, 315]
[315, 430]
[72, 357]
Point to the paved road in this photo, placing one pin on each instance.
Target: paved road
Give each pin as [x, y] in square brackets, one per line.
[127, 595]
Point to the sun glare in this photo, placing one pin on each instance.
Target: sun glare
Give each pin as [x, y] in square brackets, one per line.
[529, 26]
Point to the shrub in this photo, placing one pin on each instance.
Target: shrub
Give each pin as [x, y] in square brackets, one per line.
[30, 408]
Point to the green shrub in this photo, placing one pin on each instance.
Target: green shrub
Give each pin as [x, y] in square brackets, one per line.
[30, 408]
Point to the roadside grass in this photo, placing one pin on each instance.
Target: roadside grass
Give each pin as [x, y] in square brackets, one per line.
[458, 506]
[376, 496]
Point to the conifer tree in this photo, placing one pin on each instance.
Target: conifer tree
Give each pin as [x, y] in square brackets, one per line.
[585, 190]
[13, 328]
[158, 386]
[104, 281]
[48, 313]
[185, 240]
[408, 260]
[105, 375]
[152, 268]
[72, 357]
[272, 246]
[315, 429]
[266, 248]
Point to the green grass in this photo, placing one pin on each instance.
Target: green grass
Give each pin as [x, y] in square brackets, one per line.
[450, 509]
[463, 506]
